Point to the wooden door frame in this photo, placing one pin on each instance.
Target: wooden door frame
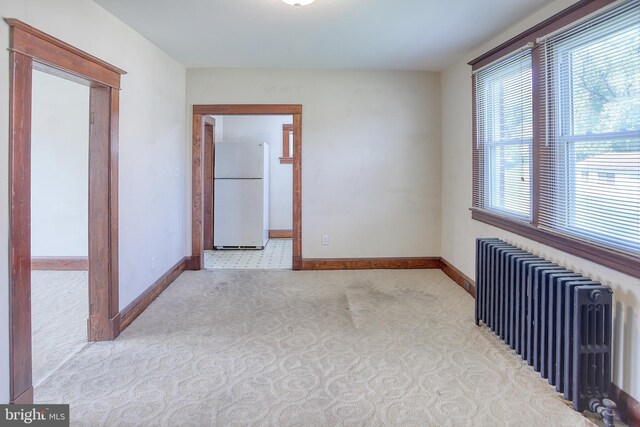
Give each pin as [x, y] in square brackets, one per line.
[208, 191]
[196, 261]
[33, 49]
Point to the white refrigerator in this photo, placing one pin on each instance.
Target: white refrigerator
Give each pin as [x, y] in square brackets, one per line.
[241, 195]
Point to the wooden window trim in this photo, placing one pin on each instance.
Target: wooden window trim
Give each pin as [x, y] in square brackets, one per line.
[565, 17]
[287, 158]
[607, 257]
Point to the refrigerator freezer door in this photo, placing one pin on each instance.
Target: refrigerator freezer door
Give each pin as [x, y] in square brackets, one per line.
[239, 160]
[238, 218]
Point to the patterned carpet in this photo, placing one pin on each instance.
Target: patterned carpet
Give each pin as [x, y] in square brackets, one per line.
[59, 312]
[282, 348]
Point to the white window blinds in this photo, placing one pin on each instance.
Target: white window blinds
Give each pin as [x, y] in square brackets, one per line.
[590, 129]
[503, 136]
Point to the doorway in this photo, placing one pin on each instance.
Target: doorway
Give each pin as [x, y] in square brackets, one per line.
[200, 175]
[32, 49]
[248, 192]
[59, 222]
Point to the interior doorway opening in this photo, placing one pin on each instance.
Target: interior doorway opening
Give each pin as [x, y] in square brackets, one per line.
[32, 49]
[59, 222]
[248, 191]
[203, 116]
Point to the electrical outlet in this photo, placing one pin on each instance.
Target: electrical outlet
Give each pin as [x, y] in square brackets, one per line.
[325, 239]
[467, 285]
[153, 262]
[176, 172]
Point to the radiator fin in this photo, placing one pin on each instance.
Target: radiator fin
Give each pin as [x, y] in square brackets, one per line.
[555, 319]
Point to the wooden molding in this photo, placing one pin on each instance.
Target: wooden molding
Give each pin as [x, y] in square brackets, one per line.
[609, 258]
[247, 109]
[113, 237]
[280, 234]
[628, 407]
[208, 188]
[139, 304]
[103, 276]
[49, 50]
[31, 48]
[286, 155]
[25, 398]
[297, 190]
[570, 14]
[369, 263]
[194, 262]
[20, 227]
[459, 277]
[197, 188]
[60, 263]
[109, 330]
[198, 179]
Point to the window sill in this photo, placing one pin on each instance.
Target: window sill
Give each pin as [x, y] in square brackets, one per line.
[609, 258]
[286, 160]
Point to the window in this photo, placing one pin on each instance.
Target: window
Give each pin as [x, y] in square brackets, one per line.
[287, 144]
[606, 178]
[565, 168]
[504, 135]
[592, 101]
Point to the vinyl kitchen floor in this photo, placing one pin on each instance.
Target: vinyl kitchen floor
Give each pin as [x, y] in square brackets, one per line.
[277, 255]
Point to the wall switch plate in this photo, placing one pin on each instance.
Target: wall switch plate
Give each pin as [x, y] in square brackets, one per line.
[325, 239]
[153, 262]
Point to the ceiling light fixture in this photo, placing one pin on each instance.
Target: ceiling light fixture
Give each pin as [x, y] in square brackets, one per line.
[298, 2]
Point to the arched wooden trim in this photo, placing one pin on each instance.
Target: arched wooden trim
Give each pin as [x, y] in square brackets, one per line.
[29, 49]
[196, 262]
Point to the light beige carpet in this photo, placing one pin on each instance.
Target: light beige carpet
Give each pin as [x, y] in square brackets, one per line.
[282, 348]
[59, 312]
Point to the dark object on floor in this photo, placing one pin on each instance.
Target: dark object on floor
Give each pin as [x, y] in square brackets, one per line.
[557, 320]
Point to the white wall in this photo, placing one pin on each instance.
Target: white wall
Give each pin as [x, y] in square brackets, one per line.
[219, 129]
[459, 231]
[59, 167]
[370, 153]
[268, 129]
[151, 158]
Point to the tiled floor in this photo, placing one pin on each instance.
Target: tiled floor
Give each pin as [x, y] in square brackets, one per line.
[277, 255]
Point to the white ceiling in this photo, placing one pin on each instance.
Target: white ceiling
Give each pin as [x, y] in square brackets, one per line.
[343, 34]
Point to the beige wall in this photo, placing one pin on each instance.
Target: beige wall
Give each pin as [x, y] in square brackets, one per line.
[375, 165]
[459, 231]
[59, 167]
[152, 129]
[370, 155]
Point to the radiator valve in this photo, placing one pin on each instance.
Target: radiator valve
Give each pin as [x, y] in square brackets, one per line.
[596, 296]
[606, 410]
